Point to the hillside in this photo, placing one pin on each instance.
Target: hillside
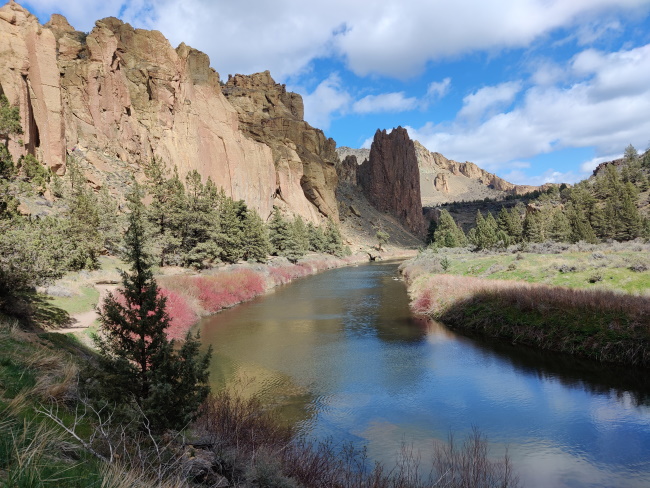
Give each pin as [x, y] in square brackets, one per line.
[445, 181]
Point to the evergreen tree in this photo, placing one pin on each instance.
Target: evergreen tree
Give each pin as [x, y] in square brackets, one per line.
[279, 233]
[7, 167]
[317, 242]
[256, 245]
[9, 119]
[334, 240]
[631, 223]
[560, 227]
[431, 231]
[581, 229]
[140, 365]
[230, 240]
[485, 235]
[83, 224]
[300, 234]
[534, 229]
[448, 234]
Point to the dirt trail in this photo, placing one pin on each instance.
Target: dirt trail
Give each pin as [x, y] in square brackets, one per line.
[81, 321]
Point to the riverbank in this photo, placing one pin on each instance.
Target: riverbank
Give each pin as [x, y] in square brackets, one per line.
[190, 294]
[597, 323]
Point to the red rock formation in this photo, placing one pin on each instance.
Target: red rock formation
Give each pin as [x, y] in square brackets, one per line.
[347, 171]
[390, 178]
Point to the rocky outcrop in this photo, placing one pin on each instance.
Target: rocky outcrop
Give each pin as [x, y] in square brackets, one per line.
[119, 96]
[390, 178]
[444, 180]
[29, 77]
[360, 154]
[440, 183]
[346, 171]
[304, 158]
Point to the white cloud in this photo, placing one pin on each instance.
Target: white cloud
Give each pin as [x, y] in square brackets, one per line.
[385, 102]
[489, 99]
[549, 176]
[606, 108]
[589, 166]
[390, 37]
[327, 100]
[438, 89]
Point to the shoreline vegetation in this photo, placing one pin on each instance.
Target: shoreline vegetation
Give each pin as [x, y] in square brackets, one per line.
[591, 316]
[192, 295]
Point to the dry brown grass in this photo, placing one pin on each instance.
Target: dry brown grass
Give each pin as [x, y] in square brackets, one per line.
[599, 324]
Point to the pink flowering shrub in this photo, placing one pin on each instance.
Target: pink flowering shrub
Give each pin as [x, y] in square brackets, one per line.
[224, 290]
[181, 314]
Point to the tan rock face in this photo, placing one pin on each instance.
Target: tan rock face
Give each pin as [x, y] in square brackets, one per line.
[444, 180]
[119, 96]
[390, 178]
[304, 158]
[29, 78]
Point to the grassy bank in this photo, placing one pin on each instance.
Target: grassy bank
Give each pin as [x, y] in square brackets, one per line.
[587, 319]
[191, 295]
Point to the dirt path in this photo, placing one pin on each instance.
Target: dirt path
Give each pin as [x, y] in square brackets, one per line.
[81, 321]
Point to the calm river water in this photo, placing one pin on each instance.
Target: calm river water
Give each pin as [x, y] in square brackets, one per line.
[339, 355]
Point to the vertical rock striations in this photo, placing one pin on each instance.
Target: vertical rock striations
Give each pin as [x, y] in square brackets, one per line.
[303, 156]
[118, 96]
[390, 178]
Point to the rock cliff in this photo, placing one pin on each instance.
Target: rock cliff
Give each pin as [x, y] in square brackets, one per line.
[118, 96]
[443, 180]
[390, 178]
[303, 156]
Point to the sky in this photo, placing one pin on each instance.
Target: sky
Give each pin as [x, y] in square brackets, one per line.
[533, 90]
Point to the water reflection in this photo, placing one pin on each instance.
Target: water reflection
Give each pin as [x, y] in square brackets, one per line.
[339, 355]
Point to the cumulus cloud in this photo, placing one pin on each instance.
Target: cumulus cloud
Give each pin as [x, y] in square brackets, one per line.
[438, 89]
[488, 99]
[390, 38]
[329, 98]
[385, 102]
[549, 176]
[605, 108]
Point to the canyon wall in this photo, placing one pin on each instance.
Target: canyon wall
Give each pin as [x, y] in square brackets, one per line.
[119, 96]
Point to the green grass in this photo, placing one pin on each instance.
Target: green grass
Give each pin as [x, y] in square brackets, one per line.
[613, 268]
[84, 302]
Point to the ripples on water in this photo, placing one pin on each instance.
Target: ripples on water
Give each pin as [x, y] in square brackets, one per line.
[339, 356]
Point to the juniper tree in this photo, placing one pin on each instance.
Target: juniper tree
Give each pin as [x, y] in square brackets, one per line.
[382, 238]
[9, 119]
[448, 234]
[256, 245]
[141, 368]
[317, 242]
[300, 233]
[279, 232]
[333, 239]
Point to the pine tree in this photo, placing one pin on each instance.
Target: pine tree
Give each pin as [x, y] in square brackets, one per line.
[279, 232]
[560, 227]
[9, 119]
[83, 225]
[334, 240]
[448, 234]
[485, 235]
[631, 222]
[230, 238]
[431, 231]
[317, 241]
[140, 365]
[300, 233]
[256, 245]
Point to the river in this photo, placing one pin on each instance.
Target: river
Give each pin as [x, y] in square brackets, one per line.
[339, 356]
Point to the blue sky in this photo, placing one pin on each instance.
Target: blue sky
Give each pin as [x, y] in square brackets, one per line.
[533, 90]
